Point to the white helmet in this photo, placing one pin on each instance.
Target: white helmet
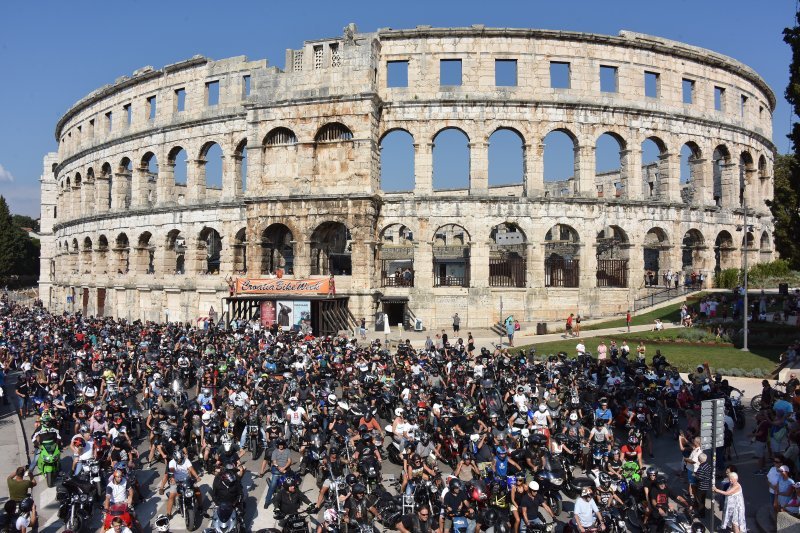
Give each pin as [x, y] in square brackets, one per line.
[399, 411]
[227, 442]
[332, 398]
[162, 523]
[533, 485]
[475, 437]
[331, 516]
[206, 417]
[542, 408]
[573, 417]
[525, 433]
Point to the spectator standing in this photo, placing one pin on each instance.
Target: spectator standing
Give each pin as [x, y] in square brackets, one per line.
[18, 486]
[456, 323]
[578, 325]
[703, 478]
[628, 320]
[733, 516]
[569, 324]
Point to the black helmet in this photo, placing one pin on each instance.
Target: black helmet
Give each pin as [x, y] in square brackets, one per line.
[178, 456]
[605, 479]
[26, 505]
[229, 478]
[351, 479]
[600, 422]
[118, 441]
[661, 479]
[359, 489]
[455, 483]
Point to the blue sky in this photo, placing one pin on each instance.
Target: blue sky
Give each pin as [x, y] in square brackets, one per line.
[54, 53]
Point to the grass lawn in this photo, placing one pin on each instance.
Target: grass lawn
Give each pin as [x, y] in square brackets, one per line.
[670, 313]
[685, 356]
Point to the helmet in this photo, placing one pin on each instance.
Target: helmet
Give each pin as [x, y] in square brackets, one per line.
[118, 441]
[525, 433]
[331, 516]
[205, 391]
[633, 439]
[533, 485]
[332, 398]
[600, 422]
[652, 471]
[162, 523]
[359, 489]
[542, 408]
[661, 479]
[351, 479]
[640, 417]
[178, 456]
[573, 417]
[454, 484]
[399, 411]
[83, 429]
[501, 450]
[26, 505]
[206, 417]
[586, 491]
[229, 478]
[79, 442]
[615, 451]
[605, 479]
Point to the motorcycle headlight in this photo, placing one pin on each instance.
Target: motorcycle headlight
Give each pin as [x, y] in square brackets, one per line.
[557, 481]
[188, 493]
[95, 469]
[84, 497]
[76, 498]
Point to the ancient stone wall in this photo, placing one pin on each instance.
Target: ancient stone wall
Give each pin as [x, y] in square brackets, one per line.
[300, 185]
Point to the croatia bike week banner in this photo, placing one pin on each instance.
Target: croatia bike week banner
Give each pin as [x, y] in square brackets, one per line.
[281, 286]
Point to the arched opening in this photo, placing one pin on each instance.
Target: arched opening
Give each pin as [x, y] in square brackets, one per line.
[723, 251]
[240, 252]
[145, 254]
[608, 153]
[122, 253]
[209, 168]
[763, 178]
[280, 156]
[333, 151]
[508, 260]
[506, 158]
[613, 249]
[450, 160]
[691, 172]
[175, 253]
[86, 256]
[149, 167]
[746, 166]
[123, 183]
[240, 159]
[692, 248]
[331, 249]
[101, 263]
[108, 176]
[210, 248]
[765, 247]
[721, 162]
[560, 163]
[451, 256]
[397, 161]
[655, 244]
[561, 263]
[277, 250]
[396, 255]
[653, 182]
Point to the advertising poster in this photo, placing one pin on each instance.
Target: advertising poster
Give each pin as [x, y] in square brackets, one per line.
[302, 312]
[267, 313]
[285, 311]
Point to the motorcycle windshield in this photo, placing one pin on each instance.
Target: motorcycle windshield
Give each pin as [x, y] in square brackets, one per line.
[224, 513]
[50, 447]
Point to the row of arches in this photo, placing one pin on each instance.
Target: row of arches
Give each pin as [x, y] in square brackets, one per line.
[185, 176]
[277, 249]
[615, 165]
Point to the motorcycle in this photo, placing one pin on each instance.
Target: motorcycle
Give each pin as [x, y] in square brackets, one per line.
[93, 473]
[226, 519]
[735, 408]
[49, 462]
[75, 499]
[293, 523]
[187, 504]
[123, 512]
[253, 439]
[394, 449]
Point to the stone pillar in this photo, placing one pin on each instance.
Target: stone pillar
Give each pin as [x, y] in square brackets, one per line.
[585, 172]
[423, 265]
[730, 184]
[479, 264]
[588, 266]
[703, 182]
[118, 190]
[254, 251]
[255, 167]
[423, 168]
[302, 259]
[478, 168]
[196, 257]
[165, 186]
[75, 198]
[160, 261]
[636, 266]
[101, 194]
[227, 250]
[139, 188]
[195, 181]
[363, 264]
[231, 177]
[533, 169]
[669, 168]
[634, 183]
[751, 181]
[87, 197]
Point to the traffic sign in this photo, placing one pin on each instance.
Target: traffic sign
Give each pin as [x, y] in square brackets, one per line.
[712, 423]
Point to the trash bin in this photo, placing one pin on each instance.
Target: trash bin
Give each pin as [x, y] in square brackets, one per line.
[541, 328]
[783, 288]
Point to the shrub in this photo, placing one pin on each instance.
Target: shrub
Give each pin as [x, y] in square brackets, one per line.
[727, 279]
[736, 372]
[758, 373]
[773, 269]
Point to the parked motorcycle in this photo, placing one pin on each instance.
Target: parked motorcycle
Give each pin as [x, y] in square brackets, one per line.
[49, 462]
[76, 501]
[226, 519]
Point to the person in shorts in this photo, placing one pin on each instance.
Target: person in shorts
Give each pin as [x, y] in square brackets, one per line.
[569, 324]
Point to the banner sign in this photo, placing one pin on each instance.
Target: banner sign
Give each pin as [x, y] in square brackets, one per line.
[285, 314]
[302, 312]
[268, 316]
[281, 286]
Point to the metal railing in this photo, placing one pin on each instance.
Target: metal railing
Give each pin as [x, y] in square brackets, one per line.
[659, 296]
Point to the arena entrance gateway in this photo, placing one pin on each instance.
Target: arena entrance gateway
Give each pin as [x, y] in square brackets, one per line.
[291, 303]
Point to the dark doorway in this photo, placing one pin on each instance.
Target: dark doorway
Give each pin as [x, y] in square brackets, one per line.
[396, 312]
[101, 302]
[85, 301]
[651, 257]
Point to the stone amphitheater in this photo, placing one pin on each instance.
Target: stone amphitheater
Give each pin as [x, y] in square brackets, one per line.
[299, 204]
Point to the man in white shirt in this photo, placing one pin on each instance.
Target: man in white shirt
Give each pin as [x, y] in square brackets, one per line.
[580, 348]
[118, 491]
[179, 470]
[586, 511]
[295, 414]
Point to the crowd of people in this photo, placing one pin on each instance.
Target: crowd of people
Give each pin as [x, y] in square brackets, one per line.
[482, 438]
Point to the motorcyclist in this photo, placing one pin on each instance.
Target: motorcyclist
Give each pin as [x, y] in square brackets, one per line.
[289, 499]
[227, 489]
[179, 470]
[586, 512]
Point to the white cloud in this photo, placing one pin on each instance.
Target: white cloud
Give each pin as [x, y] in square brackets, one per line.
[5, 175]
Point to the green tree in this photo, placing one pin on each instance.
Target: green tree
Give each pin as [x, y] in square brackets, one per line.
[786, 201]
[24, 221]
[12, 243]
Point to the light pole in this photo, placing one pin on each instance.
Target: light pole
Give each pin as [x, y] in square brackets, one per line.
[745, 230]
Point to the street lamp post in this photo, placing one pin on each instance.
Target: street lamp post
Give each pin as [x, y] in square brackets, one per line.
[744, 250]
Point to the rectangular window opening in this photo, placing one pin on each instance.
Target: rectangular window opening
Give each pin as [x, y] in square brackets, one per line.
[336, 55]
[128, 113]
[743, 106]
[91, 128]
[212, 93]
[246, 85]
[450, 72]
[151, 107]
[180, 100]
[318, 57]
[761, 111]
[505, 72]
[651, 84]
[687, 86]
[609, 80]
[719, 99]
[559, 75]
[397, 73]
[109, 121]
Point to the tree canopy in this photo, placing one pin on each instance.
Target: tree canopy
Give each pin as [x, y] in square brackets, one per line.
[13, 244]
